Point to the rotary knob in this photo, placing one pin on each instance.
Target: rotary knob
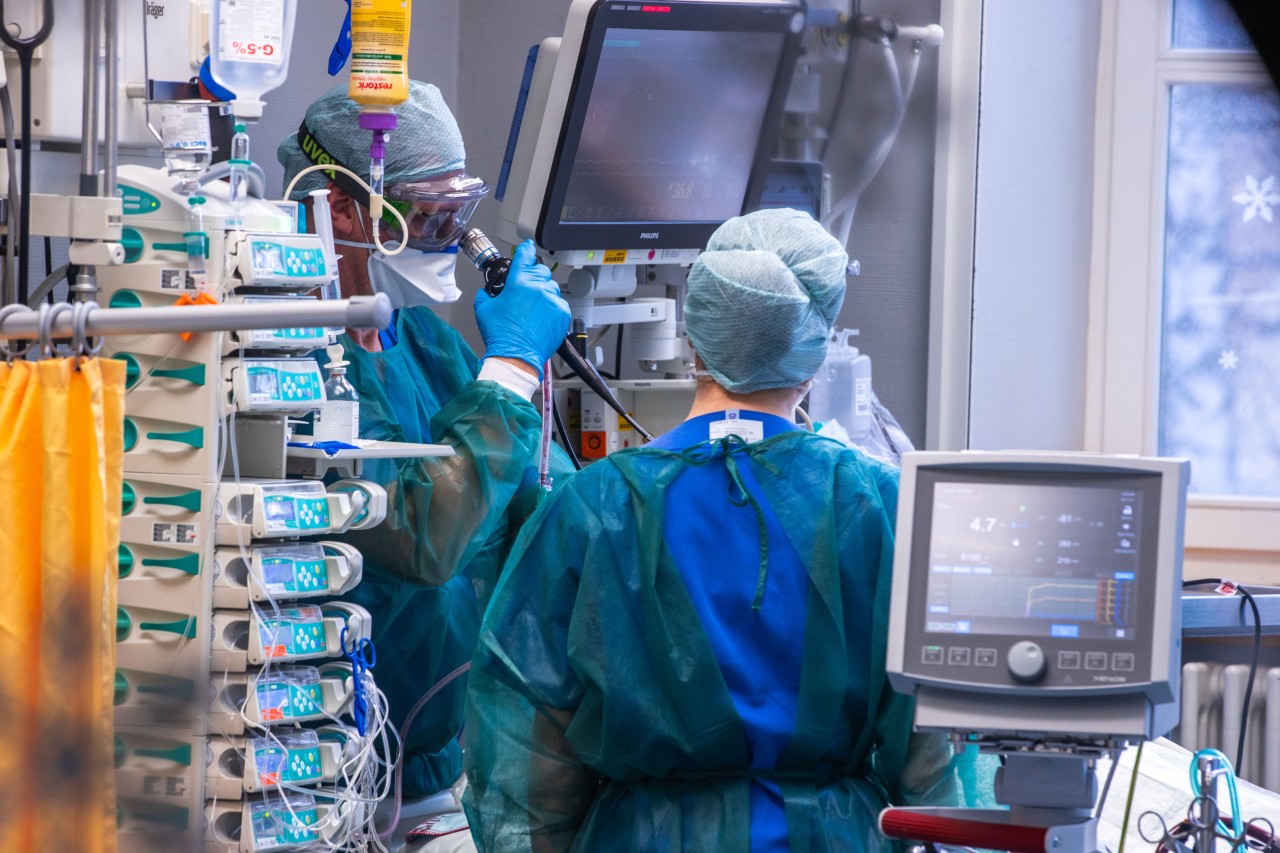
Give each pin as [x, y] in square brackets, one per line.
[1026, 662]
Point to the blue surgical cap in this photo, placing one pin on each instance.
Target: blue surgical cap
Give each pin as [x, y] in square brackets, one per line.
[425, 143]
[763, 299]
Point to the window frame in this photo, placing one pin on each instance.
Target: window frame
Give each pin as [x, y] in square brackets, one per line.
[1137, 68]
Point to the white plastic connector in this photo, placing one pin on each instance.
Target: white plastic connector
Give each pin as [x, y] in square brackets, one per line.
[369, 501]
[931, 35]
[86, 254]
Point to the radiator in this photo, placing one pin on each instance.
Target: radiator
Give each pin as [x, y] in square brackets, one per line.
[1212, 703]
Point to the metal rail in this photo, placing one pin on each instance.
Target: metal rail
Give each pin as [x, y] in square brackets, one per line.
[359, 312]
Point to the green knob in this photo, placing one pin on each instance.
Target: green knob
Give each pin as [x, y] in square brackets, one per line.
[132, 370]
[332, 737]
[193, 437]
[177, 817]
[181, 688]
[133, 244]
[128, 495]
[180, 754]
[122, 689]
[121, 750]
[189, 501]
[193, 374]
[177, 688]
[198, 240]
[130, 435]
[189, 564]
[183, 627]
[123, 624]
[124, 299]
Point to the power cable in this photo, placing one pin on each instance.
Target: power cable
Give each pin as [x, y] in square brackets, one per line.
[1257, 651]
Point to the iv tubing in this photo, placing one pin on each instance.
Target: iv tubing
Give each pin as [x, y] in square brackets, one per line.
[324, 223]
[373, 200]
[398, 767]
[548, 402]
[872, 166]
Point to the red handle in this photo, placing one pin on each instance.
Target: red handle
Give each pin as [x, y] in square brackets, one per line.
[903, 823]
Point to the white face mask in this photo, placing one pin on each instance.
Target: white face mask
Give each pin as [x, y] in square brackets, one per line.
[413, 278]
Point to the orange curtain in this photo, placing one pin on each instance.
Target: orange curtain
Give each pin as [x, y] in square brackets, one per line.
[61, 474]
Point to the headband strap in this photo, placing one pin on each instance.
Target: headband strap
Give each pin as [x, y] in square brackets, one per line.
[313, 149]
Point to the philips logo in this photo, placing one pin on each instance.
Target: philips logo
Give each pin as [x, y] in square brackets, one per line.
[649, 235]
[155, 10]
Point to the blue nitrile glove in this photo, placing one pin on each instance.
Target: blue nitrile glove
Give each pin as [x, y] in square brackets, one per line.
[528, 320]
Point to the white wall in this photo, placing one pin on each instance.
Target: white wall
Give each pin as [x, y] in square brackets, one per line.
[1032, 236]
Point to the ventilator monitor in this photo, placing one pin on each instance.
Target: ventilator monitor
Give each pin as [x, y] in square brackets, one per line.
[1039, 593]
[647, 125]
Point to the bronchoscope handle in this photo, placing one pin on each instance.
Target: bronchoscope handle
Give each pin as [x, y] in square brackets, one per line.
[491, 263]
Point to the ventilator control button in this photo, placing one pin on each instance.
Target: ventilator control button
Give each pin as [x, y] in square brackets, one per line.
[1026, 662]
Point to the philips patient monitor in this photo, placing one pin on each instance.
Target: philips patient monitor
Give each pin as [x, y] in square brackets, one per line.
[646, 126]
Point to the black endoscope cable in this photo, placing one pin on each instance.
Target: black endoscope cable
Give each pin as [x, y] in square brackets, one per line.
[494, 267]
[587, 373]
[564, 438]
[1257, 651]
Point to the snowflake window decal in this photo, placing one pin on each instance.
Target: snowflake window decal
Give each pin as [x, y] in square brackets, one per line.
[1258, 197]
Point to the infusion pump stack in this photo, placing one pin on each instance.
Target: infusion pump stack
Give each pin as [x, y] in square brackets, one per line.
[1036, 614]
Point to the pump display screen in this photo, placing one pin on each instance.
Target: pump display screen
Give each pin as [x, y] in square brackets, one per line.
[280, 510]
[650, 149]
[1035, 560]
[277, 573]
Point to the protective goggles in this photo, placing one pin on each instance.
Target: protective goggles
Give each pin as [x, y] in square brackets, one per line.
[436, 212]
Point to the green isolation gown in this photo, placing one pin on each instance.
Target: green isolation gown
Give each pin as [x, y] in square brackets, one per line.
[600, 717]
[430, 567]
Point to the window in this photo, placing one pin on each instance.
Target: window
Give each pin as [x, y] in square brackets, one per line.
[1219, 398]
[1184, 349]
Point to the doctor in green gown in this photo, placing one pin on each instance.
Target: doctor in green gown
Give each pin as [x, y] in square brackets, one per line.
[430, 567]
[686, 648]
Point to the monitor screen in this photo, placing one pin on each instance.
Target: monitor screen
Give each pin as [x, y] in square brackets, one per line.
[648, 152]
[1035, 559]
[669, 123]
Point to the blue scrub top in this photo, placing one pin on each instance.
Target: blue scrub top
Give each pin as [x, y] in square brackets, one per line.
[715, 545]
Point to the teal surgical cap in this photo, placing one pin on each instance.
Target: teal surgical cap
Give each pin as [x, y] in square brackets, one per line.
[763, 299]
[425, 143]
